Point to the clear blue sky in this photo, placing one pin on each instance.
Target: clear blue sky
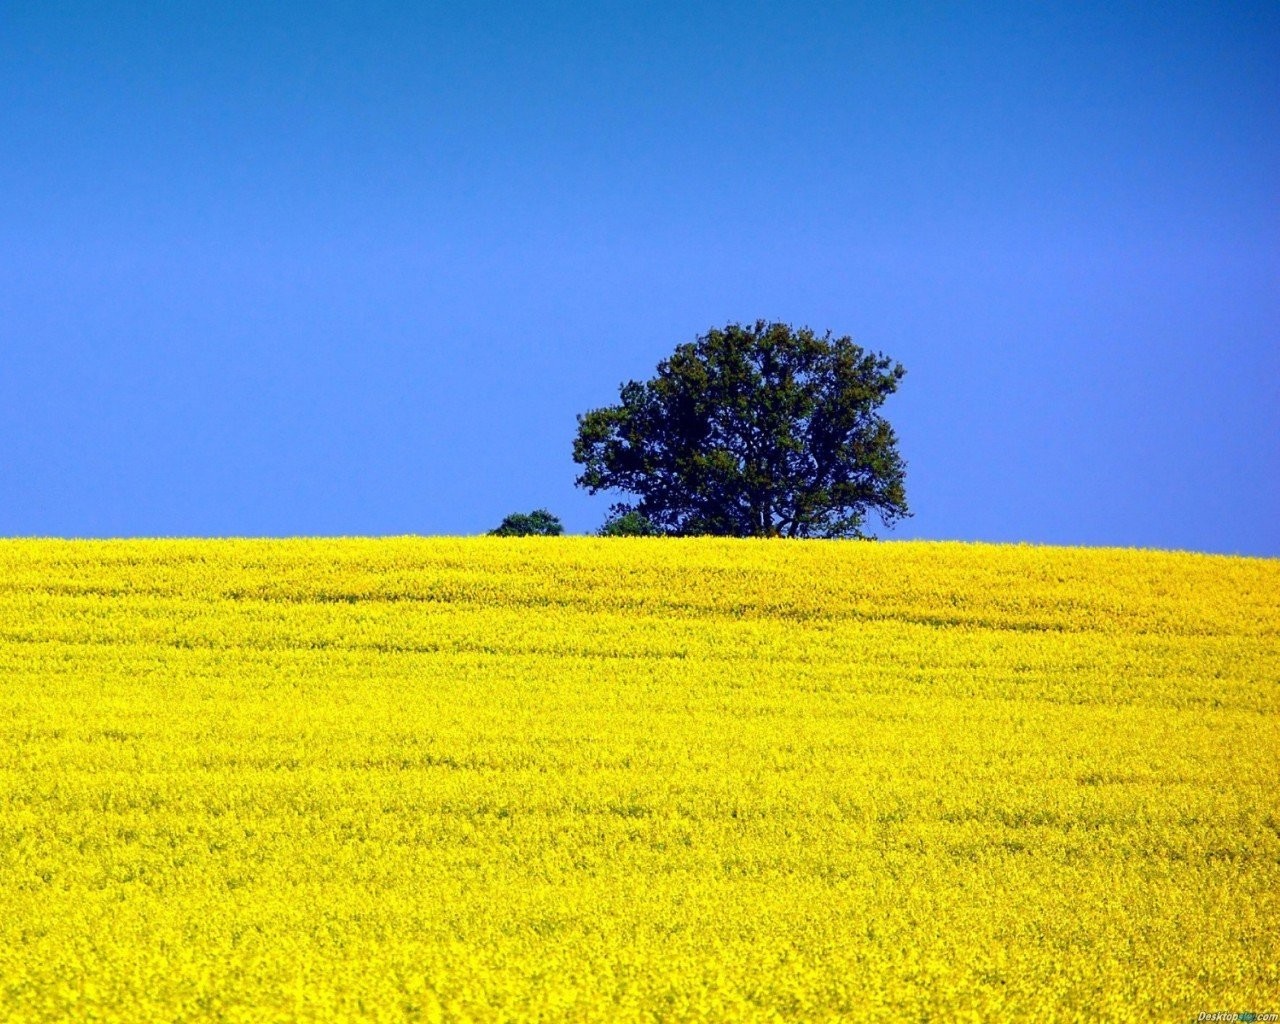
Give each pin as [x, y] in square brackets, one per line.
[324, 268]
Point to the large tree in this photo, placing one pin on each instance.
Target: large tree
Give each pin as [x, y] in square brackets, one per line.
[757, 431]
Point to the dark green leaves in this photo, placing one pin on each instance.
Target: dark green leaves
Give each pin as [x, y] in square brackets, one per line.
[753, 431]
[538, 523]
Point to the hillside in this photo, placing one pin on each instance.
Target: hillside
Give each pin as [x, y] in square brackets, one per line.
[575, 779]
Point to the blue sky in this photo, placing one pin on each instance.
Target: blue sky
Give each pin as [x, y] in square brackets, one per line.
[278, 269]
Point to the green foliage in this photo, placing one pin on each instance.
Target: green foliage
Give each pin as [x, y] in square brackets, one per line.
[538, 523]
[758, 431]
[628, 523]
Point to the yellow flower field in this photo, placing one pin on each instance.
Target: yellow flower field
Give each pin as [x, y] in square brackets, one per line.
[635, 780]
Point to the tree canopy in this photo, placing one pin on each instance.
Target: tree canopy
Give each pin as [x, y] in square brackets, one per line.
[752, 431]
[538, 523]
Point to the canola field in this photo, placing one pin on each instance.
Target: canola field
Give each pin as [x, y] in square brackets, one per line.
[635, 780]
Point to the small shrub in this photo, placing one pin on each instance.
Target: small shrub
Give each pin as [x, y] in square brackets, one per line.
[629, 524]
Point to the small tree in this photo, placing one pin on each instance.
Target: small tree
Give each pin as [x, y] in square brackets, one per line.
[755, 431]
[629, 524]
[538, 523]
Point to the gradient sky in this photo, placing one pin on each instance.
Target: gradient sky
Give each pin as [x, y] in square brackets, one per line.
[277, 269]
